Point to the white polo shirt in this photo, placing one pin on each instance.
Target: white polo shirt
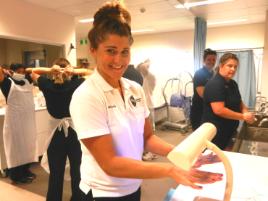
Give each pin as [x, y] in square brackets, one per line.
[98, 109]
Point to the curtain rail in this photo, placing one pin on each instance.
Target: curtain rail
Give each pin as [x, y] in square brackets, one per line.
[242, 49]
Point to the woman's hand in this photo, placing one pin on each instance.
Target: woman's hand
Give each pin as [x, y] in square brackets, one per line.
[7, 72]
[206, 159]
[249, 117]
[34, 76]
[4, 72]
[29, 70]
[55, 69]
[68, 70]
[2, 76]
[57, 73]
[194, 176]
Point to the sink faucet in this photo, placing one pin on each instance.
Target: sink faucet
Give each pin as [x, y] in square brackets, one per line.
[262, 121]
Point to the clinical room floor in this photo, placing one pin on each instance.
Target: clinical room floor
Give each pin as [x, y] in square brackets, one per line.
[152, 189]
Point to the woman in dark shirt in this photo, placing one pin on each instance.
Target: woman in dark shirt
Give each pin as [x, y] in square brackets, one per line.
[223, 105]
[58, 92]
[200, 79]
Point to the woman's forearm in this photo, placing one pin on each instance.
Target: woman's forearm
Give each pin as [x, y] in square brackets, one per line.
[153, 143]
[2, 76]
[230, 114]
[39, 70]
[158, 146]
[243, 107]
[42, 70]
[129, 168]
[82, 71]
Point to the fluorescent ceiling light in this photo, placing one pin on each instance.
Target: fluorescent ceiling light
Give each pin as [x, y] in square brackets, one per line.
[227, 21]
[142, 30]
[200, 3]
[88, 20]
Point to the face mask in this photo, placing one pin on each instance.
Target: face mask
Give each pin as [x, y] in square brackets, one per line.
[18, 77]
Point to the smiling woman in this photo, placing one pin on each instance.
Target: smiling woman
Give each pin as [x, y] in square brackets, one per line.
[116, 51]
[113, 126]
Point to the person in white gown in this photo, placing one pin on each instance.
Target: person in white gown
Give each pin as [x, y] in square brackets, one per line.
[19, 130]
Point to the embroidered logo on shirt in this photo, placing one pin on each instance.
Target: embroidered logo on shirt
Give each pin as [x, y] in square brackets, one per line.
[111, 106]
[133, 101]
[138, 100]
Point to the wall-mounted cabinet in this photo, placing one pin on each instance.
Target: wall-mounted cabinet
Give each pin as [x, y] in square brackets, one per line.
[28, 53]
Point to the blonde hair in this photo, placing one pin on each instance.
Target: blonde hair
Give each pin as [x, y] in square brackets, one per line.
[60, 77]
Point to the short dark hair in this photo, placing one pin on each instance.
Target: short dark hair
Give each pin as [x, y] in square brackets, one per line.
[16, 66]
[209, 51]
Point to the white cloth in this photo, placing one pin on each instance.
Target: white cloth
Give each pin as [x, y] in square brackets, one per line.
[105, 112]
[149, 83]
[250, 180]
[64, 124]
[19, 132]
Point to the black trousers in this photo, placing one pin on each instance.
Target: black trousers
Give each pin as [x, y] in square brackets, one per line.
[195, 118]
[59, 148]
[136, 196]
[19, 172]
[223, 137]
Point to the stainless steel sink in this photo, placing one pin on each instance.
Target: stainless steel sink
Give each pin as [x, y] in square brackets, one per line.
[259, 118]
[251, 132]
[259, 134]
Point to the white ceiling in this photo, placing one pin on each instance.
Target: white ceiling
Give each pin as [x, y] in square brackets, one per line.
[161, 15]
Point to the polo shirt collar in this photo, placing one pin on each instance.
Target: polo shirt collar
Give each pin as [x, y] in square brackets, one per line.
[206, 69]
[125, 84]
[222, 78]
[100, 81]
[104, 84]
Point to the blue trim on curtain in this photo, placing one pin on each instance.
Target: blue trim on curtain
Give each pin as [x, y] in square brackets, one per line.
[200, 34]
[245, 76]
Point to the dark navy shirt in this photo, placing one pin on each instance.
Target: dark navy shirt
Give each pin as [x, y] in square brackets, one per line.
[219, 90]
[58, 96]
[201, 77]
[133, 74]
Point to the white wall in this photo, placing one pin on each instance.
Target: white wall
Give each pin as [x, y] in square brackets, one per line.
[235, 37]
[171, 53]
[83, 52]
[24, 21]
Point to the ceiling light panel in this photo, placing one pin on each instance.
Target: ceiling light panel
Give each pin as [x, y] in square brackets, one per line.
[188, 5]
[234, 21]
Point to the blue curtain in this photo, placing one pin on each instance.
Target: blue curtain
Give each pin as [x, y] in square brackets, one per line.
[200, 34]
[245, 76]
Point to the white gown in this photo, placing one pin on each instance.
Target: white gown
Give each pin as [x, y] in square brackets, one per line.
[64, 124]
[19, 131]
